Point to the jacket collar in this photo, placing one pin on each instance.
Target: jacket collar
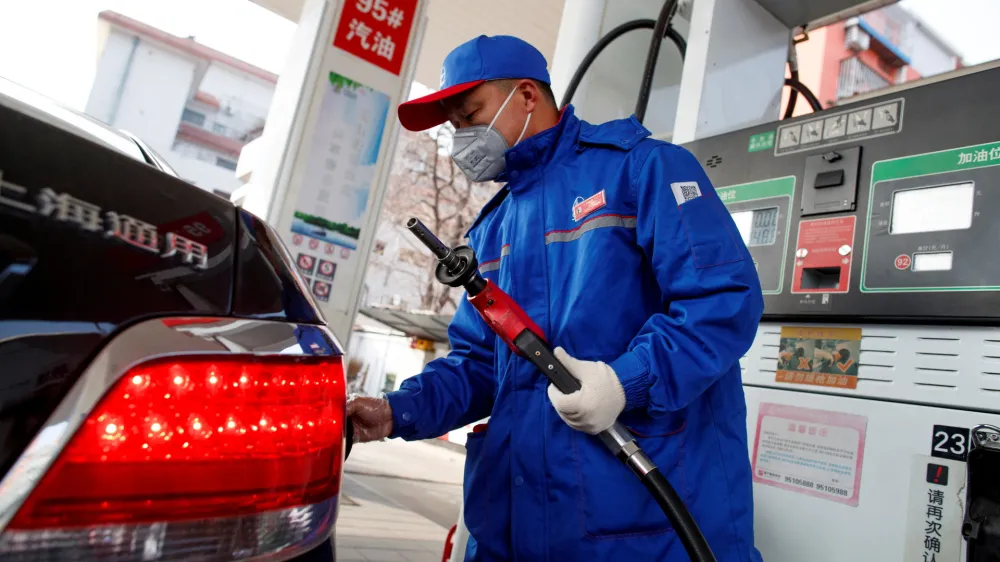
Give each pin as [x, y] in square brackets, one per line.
[570, 133]
[537, 151]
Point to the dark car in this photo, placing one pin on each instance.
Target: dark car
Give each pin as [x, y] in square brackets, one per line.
[168, 389]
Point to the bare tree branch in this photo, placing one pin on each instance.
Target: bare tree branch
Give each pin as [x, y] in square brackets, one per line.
[425, 183]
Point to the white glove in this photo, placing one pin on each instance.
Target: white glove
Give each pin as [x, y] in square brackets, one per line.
[594, 407]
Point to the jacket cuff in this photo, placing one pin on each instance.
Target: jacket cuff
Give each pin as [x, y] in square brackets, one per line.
[634, 376]
[404, 413]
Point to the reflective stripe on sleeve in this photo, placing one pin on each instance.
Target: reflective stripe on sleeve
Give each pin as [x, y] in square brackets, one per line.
[494, 265]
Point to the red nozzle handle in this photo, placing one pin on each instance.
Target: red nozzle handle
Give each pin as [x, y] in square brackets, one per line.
[503, 315]
[522, 335]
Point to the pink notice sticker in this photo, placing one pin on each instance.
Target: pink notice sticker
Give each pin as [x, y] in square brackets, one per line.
[583, 207]
[813, 452]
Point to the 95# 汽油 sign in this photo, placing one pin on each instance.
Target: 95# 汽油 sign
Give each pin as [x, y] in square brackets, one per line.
[376, 31]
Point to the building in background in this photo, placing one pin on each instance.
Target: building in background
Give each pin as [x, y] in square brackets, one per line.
[879, 49]
[193, 105]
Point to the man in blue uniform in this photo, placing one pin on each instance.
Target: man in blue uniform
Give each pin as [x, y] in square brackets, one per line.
[619, 249]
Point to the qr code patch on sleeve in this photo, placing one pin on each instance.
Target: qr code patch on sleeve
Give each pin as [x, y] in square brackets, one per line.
[685, 191]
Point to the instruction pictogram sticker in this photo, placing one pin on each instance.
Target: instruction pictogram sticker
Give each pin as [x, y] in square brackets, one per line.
[306, 263]
[321, 290]
[326, 270]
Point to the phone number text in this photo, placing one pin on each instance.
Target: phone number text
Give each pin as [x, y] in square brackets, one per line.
[833, 490]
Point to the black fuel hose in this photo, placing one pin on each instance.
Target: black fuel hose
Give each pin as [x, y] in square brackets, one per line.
[796, 85]
[793, 97]
[603, 42]
[662, 23]
[806, 93]
[679, 517]
[793, 69]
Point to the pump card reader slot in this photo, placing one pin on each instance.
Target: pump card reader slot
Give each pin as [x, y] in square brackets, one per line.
[825, 278]
[831, 181]
[830, 178]
[824, 253]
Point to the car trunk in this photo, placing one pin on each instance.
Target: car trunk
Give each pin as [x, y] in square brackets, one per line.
[91, 241]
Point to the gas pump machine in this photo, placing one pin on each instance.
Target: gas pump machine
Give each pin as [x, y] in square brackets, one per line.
[873, 387]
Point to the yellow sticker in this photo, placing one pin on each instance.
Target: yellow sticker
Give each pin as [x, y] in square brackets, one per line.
[819, 356]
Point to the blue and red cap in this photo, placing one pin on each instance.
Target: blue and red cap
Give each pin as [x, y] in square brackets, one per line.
[470, 64]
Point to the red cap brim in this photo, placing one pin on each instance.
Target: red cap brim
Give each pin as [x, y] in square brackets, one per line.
[426, 112]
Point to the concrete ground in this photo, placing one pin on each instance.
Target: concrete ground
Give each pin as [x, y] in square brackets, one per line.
[398, 501]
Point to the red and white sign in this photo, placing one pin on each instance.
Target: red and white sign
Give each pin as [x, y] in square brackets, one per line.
[345, 253]
[306, 262]
[328, 249]
[313, 244]
[588, 205]
[321, 290]
[824, 249]
[376, 31]
[814, 452]
[326, 270]
[903, 261]
[297, 239]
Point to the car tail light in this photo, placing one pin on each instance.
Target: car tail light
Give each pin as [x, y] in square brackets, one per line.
[207, 457]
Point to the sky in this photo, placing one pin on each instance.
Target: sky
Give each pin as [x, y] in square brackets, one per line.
[51, 45]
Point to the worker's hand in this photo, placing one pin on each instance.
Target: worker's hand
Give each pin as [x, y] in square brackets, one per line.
[372, 418]
[594, 407]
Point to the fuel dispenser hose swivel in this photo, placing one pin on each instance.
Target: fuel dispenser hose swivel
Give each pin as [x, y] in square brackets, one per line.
[458, 268]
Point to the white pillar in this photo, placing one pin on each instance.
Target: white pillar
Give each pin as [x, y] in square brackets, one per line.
[579, 30]
[734, 69]
[320, 175]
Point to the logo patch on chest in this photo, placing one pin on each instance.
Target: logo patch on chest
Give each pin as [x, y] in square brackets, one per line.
[685, 191]
[583, 207]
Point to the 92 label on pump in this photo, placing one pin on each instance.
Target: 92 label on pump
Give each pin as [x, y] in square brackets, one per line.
[949, 442]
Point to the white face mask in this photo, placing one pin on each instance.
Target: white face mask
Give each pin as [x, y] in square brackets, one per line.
[478, 150]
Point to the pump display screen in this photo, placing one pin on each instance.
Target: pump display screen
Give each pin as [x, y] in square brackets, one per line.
[758, 227]
[932, 209]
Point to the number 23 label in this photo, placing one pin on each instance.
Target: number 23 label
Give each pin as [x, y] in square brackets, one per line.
[949, 442]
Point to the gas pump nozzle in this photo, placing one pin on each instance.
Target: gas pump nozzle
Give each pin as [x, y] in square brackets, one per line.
[458, 268]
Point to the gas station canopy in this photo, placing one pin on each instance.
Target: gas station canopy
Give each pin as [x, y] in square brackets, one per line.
[417, 324]
[816, 13]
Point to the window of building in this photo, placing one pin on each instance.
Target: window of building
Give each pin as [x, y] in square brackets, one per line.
[225, 163]
[193, 117]
[857, 77]
[219, 128]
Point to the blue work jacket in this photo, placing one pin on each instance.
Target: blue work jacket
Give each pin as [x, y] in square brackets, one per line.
[618, 247]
